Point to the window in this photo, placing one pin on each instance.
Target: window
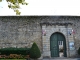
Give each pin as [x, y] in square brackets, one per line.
[60, 42]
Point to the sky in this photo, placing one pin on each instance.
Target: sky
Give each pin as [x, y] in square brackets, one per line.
[44, 7]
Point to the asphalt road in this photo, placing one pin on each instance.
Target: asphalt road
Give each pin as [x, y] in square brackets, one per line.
[63, 59]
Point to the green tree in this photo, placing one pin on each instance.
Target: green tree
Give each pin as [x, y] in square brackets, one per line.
[35, 51]
[0, 0]
[15, 5]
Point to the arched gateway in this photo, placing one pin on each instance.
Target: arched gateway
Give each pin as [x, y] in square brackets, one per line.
[58, 45]
[57, 40]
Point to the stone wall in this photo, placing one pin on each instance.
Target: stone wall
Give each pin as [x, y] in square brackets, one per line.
[22, 31]
[18, 32]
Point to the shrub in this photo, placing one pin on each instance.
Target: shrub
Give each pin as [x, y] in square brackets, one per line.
[14, 56]
[2, 56]
[8, 51]
[61, 50]
[34, 51]
[79, 51]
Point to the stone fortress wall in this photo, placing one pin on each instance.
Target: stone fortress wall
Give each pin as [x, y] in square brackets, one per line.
[22, 31]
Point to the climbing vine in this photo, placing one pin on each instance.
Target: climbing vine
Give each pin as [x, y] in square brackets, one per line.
[15, 5]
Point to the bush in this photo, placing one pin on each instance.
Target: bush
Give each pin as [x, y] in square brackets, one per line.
[8, 51]
[79, 51]
[34, 51]
[14, 56]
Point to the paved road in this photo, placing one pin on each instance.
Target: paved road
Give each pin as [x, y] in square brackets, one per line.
[63, 59]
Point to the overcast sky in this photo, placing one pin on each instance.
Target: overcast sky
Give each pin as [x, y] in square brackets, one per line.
[45, 7]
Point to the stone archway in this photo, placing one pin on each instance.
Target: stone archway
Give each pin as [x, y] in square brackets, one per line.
[58, 45]
[64, 30]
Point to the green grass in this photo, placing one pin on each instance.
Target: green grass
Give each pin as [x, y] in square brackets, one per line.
[12, 59]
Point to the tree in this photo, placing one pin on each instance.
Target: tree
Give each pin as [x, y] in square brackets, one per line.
[15, 5]
[0, 0]
[34, 51]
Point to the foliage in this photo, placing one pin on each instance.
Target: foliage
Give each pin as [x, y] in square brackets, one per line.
[12, 59]
[15, 5]
[34, 51]
[61, 50]
[0, 0]
[14, 56]
[8, 51]
[79, 51]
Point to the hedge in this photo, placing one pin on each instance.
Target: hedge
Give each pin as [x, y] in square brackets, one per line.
[8, 51]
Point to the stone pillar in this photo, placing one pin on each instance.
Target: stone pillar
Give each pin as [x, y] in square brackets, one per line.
[70, 50]
[46, 43]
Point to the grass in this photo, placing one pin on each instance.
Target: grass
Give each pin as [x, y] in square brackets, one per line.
[12, 59]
